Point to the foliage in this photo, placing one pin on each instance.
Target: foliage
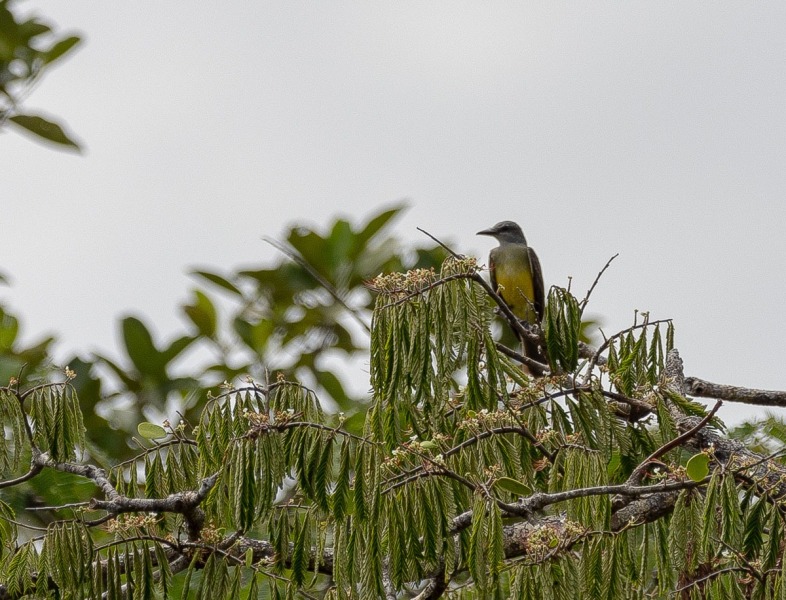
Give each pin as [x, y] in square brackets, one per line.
[251, 322]
[28, 49]
[256, 321]
[465, 479]
[460, 477]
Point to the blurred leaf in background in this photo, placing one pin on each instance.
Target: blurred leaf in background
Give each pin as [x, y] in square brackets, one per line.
[306, 313]
[28, 49]
[310, 305]
[17, 359]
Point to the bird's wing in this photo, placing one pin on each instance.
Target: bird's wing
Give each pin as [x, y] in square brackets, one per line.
[539, 300]
[493, 270]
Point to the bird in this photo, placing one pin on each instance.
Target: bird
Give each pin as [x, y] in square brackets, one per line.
[517, 277]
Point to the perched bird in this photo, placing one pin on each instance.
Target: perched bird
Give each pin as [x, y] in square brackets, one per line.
[517, 277]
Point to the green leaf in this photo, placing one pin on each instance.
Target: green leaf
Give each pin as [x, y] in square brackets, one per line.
[333, 386]
[561, 328]
[614, 463]
[129, 381]
[9, 329]
[355, 423]
[339, 244]
[312, 248]
[513, 486]
[219, 281]
[341, 497]
[203, 314]
[60, 48]
[376, 223]
[698, 466]
[300, 552]
[753, 537]
[140, 347]
[260, 334]
[151, 431]
[32, 28]
[45, 129]
[175, 348]
[772, 549]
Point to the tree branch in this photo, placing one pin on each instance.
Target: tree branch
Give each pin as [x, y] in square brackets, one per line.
[733, 393]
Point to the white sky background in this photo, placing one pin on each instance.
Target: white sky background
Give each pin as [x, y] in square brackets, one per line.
[656, 130]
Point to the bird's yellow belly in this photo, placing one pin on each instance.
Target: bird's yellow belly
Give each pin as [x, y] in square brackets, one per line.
[515, 286]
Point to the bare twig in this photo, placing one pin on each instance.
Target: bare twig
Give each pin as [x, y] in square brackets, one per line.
[447, 249]
[583, 303]
[60, 506]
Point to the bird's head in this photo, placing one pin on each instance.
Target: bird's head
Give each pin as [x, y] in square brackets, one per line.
[505, 232]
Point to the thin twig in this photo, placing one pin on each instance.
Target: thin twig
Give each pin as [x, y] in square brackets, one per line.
[59, 507]
[454, 254]
[583, 303]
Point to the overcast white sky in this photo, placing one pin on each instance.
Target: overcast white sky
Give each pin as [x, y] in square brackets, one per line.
[652, 129]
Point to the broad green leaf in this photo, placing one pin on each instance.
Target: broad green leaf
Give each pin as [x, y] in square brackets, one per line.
[614, 463]
[9, 329]
[203, 314]
[126, 378]
[151, 431]
[176, 348]
[334, 387]
[340, 243]
[378, 222]
[312, 247]
[45, 129]
[141, 349]
[698, 466]
[260, 334]
[513, 486]
[355, 423]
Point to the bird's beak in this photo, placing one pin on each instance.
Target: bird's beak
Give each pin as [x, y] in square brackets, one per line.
[486, 232]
